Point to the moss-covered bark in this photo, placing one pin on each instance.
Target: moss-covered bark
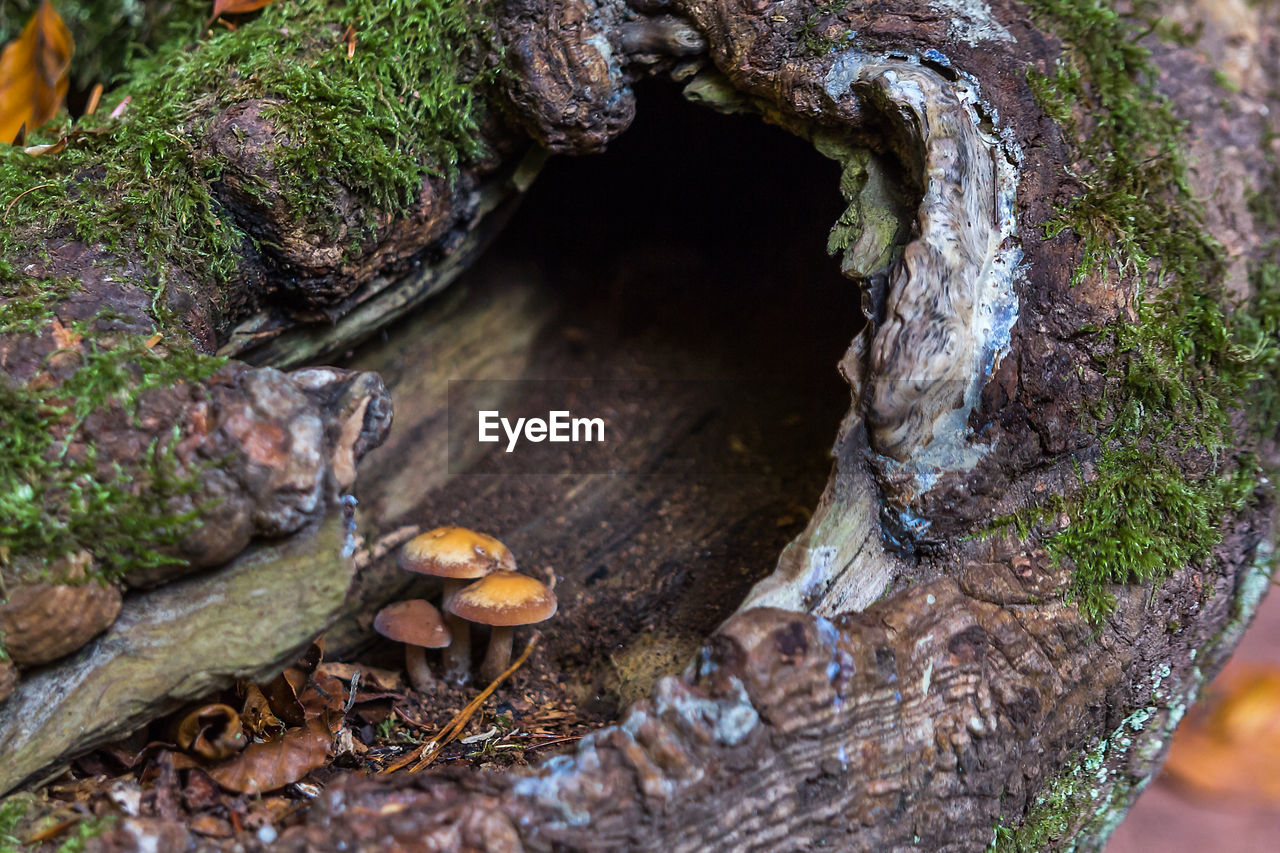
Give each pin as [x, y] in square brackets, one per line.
[1123, 424]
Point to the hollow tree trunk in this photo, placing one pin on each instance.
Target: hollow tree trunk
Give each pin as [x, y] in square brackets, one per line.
[1049, 268]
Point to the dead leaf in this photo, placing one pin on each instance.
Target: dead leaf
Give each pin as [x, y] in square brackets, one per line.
[211, 827]
[322, 693]
[213, 732]
[284, 692]
[95, 97]
[1229, 744]
[238, 7]
[33, 73]
[380, 679]
[266, 767]
[51, 148]
[64, 338]
[258, 719]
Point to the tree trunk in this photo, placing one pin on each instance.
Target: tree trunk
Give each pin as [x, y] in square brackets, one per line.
[1049, 516]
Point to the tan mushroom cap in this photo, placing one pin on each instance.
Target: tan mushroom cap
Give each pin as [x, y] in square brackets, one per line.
[415, 622]
[504, 599]
[455, 552]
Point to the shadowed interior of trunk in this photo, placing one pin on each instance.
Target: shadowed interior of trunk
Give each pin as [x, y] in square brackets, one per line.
[682, 275]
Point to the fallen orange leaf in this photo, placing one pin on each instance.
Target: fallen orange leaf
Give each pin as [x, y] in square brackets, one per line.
[64, 338]
[238, 7]
[1229, 745]
[33, 73]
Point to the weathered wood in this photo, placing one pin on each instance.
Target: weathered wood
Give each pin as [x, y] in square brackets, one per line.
[944, 709]
[176, 644]
[923, 684]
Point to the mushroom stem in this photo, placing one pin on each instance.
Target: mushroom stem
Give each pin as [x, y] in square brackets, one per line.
[497, 658]
[415, 662]
[457, 656]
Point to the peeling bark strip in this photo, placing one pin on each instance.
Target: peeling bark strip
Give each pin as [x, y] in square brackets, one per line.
[951, 303]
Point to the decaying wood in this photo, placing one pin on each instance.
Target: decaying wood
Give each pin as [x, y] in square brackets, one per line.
[906, 725]
[894, 684]
[179, 643]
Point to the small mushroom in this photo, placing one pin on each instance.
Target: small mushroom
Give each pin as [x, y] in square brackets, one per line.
[457, 555]
[503, 599]
[418, 625]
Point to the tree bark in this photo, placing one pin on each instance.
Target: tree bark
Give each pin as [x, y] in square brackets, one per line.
[913, 674]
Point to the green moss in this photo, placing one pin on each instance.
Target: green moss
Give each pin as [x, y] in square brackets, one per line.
[820, 34]
[21, 815]
[56, 499]
[1187, 357]
[1221, 79]
[12, 812]
[1138, 520]
[77, 839]
[408, 103]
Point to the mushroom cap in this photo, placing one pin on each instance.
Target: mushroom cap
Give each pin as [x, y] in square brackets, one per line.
[503, 599]
[455, 552]
[415, 622]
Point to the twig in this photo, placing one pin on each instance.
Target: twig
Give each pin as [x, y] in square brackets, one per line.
[382, 545]
[553, 742]
[427, 753]
[351, 695]
[21, 194]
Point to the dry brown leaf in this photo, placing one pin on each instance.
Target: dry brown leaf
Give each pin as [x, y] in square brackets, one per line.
[213, 732]
[1229, 744]
[266, 767]
[64, 338]
[210, 826]
[370, 676]
[258, 719]
[33, 73]
[283, 691]
[238, 7]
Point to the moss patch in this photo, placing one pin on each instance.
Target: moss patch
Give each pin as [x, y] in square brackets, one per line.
[407, 103]
[1187, 358]
[404, 105]
[24, 816]
[54, 499]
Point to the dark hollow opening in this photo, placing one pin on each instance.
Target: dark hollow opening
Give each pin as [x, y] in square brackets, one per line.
[687, 265]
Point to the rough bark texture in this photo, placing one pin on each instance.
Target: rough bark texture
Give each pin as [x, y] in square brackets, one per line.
[896, 683]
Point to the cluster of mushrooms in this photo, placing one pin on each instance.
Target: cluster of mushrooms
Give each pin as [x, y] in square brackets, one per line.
[481, 585]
